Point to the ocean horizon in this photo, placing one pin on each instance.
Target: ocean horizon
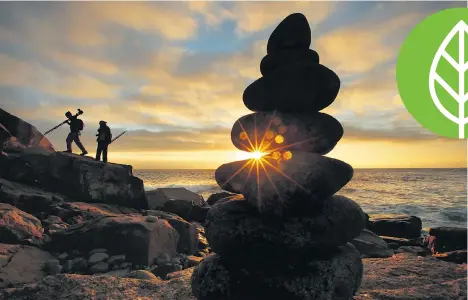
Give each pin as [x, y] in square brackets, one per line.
[437, 195]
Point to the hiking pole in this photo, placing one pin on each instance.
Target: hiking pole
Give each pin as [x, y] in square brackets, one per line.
[80, 112]
[118, 136]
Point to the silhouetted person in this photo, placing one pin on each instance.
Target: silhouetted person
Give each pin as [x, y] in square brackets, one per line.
[76, 125]
[104, 138]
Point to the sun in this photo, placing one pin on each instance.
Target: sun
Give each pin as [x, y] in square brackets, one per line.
[257, 154]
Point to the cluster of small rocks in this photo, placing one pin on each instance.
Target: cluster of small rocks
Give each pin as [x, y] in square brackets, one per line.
[98, 261]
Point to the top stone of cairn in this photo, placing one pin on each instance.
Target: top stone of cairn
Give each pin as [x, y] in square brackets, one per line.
[292, 32]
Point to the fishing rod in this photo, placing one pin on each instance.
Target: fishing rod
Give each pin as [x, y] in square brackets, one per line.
[80, 112]
[118, 136]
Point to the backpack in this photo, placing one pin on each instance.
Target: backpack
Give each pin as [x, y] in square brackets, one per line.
[79, 124]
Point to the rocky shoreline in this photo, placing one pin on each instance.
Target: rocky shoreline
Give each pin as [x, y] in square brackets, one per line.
[106, 234]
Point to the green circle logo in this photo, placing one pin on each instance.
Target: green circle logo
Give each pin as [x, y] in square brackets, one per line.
[432, 73]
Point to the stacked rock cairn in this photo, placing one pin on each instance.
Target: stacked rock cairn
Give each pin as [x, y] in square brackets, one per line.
[286, 234]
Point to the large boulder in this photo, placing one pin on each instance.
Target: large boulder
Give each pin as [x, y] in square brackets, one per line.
[76, 177]
[334, 276]
[21, 264]
[296, 88]
[446, 239]
[188, 210]
[308, 132]
[395, 225]
[158, 197]
[29, 199]
[300, 184]
[17, 226]
[234, 224]
[371, 245]
[21, 134]
[188, 234]
[139, 238]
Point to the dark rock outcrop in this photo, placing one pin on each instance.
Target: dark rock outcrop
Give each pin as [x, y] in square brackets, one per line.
[395, 225]
[141, 241]
[21, 135]
[446, 239]
[76, 177]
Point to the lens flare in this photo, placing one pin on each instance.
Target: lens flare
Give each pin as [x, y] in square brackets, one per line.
[279, 139]
[287, 155]
[243, 135]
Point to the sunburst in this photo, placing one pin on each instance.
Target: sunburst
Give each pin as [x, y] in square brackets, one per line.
[262, 156]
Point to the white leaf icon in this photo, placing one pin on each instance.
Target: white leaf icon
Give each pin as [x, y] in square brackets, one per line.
[461, 96]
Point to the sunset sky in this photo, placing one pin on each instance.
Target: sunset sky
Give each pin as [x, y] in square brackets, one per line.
[173, 74]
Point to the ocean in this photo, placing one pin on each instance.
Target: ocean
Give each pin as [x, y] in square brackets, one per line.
[437, 196]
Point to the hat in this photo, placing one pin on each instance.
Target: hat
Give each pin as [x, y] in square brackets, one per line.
[102, 122]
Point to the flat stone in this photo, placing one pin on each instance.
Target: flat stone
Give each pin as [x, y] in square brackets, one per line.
[281, 132]
[97, 258]
[371, 245]
[300, 184]
[395, 225]
[100, 267]
[116, 259]
[284, 58]
[337, 276]
[401, 241]
[297, 88]
[292, 32]
[267, 241]
[141, 275]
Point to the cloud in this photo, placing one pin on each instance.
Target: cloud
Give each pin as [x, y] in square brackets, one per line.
[363, 46]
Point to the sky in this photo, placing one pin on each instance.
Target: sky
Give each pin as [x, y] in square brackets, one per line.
[173, 74]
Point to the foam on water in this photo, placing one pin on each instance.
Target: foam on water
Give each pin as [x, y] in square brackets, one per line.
[437, 196]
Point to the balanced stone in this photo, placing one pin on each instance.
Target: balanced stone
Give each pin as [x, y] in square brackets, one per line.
[280, 132]
[300, 183]
[234, 224]
[284, 58]
[292, 32]
[336, 275]
[296, 88]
